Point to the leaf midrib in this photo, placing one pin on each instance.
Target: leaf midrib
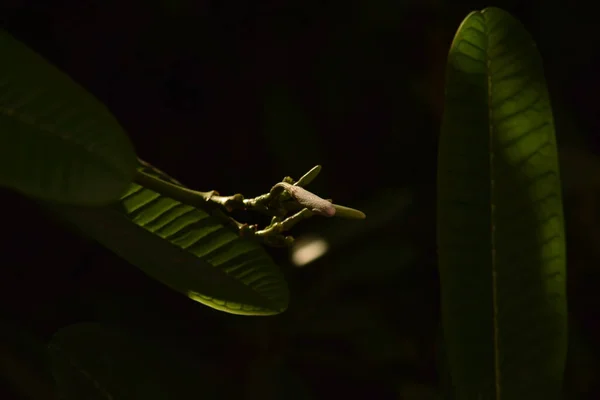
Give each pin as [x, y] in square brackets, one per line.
[495, 332]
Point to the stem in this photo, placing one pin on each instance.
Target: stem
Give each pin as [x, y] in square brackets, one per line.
[276, 228]
[213, 200]
[284, 197]
[187, 196]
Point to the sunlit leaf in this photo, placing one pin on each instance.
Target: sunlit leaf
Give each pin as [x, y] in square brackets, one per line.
[500, 218]
[187, 249]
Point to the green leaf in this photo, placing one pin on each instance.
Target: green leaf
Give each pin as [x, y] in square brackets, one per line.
[57, 142]
[93, 361]
[500, 219]
[187, 249]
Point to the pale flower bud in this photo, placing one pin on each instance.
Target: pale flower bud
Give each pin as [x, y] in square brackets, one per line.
[309, 200]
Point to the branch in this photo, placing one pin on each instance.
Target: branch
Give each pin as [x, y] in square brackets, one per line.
[283, 198]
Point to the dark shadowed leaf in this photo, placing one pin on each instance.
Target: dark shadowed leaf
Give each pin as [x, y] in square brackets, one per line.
[57, 142]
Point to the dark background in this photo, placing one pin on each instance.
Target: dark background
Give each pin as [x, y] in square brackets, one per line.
[234, 95]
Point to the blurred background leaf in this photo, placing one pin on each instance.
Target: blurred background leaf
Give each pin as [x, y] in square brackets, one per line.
[58, 142]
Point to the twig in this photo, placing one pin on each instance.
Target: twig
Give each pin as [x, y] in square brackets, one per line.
[284, 197]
